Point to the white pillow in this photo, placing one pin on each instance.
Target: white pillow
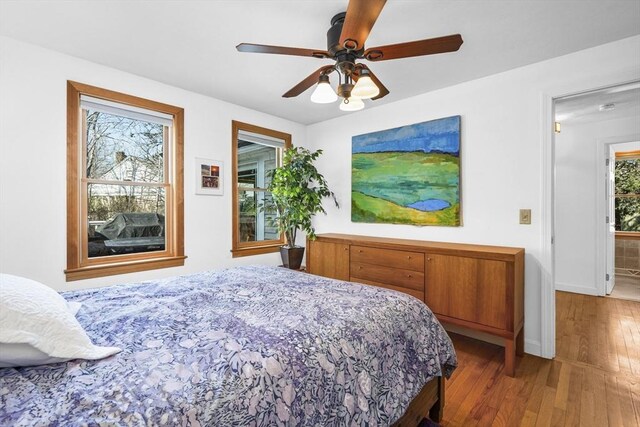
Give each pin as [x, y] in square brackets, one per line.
[14, 355]
[39, 326]
[25, 354]
[73, 307]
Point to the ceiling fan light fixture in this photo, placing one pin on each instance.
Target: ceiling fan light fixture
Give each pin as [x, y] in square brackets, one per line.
[351, 104]
[324, 93]
[346, 41]
[365, 88]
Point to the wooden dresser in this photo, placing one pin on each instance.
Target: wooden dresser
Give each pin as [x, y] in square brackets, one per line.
[473, 286]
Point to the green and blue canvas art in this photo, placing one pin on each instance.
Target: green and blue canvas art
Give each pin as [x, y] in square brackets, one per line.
[408, 175]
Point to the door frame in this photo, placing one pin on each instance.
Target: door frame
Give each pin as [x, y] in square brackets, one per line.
[547, 259]
[603, 148]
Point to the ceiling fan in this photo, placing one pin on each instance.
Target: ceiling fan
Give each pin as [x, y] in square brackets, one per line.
[345, 45]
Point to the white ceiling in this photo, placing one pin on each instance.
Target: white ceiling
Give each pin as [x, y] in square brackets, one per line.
[585, 108]
[191, 44]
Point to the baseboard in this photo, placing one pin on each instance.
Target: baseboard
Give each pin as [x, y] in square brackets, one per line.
[533, 347]
[576, 289]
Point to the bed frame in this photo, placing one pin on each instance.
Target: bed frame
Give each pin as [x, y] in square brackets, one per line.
[428, 403]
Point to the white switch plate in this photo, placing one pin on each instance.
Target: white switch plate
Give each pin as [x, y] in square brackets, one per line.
[525, 216]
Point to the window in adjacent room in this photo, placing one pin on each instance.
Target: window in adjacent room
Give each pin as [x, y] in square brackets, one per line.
[125, 195]
[256, 152]
[627, 198]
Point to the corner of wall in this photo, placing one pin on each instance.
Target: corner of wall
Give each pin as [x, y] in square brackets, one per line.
[576, 289]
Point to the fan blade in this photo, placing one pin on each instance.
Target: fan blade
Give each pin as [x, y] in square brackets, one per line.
[308, 82]
[361, 15]
[416, 48]
[383, 90]
[281, 50]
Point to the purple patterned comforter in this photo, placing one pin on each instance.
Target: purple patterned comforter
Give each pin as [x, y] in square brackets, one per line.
[248, 346]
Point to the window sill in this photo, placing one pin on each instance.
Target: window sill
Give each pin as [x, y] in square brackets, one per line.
[628, 235]
[255, 250]
[122, 268]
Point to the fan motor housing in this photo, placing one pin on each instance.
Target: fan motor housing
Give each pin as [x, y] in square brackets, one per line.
[333, 37]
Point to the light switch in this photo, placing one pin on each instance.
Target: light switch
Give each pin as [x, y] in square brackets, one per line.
[525, 216]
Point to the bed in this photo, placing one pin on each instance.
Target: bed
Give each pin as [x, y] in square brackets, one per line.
[247, 346]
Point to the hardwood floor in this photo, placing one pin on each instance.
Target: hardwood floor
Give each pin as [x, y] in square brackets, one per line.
[593, 381]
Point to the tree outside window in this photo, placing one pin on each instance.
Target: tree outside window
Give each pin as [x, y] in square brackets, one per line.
[627, 189]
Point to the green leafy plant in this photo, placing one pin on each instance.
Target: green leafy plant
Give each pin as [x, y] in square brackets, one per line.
[627, 188]
[297, 190]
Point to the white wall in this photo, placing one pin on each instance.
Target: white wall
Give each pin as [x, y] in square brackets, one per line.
[501, 153]
[577, 227]
[33, 164]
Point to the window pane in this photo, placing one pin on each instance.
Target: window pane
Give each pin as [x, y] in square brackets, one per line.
[627, 180]
[269, 166]
[248, 216]
[247, 176]
[256, 224]
[628, 214]
[254, 163]
[270, 228]
[123, 149]
[125, 219]
[627, 183]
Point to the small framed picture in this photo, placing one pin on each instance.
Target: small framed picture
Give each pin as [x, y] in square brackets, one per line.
[209, 175]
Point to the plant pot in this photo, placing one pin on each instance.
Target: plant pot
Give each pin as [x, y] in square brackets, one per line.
[292, 257]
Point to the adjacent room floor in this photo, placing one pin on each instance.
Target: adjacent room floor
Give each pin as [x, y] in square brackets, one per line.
[593, 381]
[627, 287]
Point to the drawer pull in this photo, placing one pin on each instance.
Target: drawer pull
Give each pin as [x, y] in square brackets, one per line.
[409, 276]
[360, 251]
[359, 267]
[428, 259]
[409, 257]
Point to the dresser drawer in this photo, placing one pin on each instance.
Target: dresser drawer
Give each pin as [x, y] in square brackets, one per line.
[387, 275]
[388, 257]
[412, 292]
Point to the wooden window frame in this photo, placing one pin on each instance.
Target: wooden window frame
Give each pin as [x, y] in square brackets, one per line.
[628, 235]
[628, 155]
[238, 248]
[79, 265]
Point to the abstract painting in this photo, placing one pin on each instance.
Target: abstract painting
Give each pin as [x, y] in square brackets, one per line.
[408, 175]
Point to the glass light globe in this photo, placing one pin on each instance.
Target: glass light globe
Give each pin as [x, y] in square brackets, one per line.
[324, 93]
[352, 104]
[365, 87]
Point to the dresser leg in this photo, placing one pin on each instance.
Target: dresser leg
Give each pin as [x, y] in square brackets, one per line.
[520, 343]
[509, 357]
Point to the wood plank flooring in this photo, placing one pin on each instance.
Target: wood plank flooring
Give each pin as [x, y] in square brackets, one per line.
[593, 381]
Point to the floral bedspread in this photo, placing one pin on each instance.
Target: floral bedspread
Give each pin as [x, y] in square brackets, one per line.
[248, 346]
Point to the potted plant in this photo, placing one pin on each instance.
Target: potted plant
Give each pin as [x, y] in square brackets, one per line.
[297, 190]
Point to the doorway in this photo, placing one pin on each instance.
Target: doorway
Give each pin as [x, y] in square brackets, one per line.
[591, 129]
[624, 208]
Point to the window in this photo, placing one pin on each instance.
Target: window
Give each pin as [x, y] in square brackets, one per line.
[627, 198]
[124, 183]
[256, 152]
